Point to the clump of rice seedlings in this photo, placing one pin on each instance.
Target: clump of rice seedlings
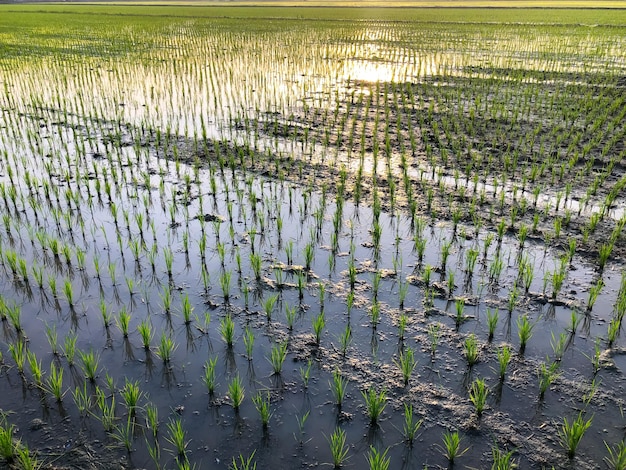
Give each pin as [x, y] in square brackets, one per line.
[124, 434]
[35, 368]
[434, 335]
[25, 460]
[243, 463]
[186, 309]
[502, 460]
[403, 320]
[225, 279]
[123, 321]
[262, 404]
[594, 292]
[152, 419]
[547, 374]
[524, 331]
[614, 327]
[504, 357]
[445, 252]
[305, 373]
[470, 349]
[451, 284]
[8, 445]
[319, 322]
[345, 339]
[227, 330]
[492, 322]
[177, 437]
[68, 292]
[338, 387]
[82, 398]
[290, 315]
[460, 317]
[268, 305]
[131, 393]
[406, 363]
[165, 348]
[166, 298]
[375, 404]
[451, 447]
[277, 357]
[236, 392]
[54, 382]
[14, 314]
[209, 375]
[248, 341]
[403, 289]
[570, 434]
[616, 458]
[309, 253]
[478, 395]
[375, 313]
[105, 314]
[145, 332]
[559, 345]
[255, 264]
[89, 361]
[574, 322]
[378, 460]
[338, 448]
[18, 353]
[411, 426]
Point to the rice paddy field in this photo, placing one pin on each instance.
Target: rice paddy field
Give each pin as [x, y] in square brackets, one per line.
[308, 237]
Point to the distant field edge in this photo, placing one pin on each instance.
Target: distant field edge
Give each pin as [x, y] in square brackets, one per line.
[532, 4]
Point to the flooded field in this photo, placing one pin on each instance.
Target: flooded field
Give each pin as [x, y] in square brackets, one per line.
[230, 239]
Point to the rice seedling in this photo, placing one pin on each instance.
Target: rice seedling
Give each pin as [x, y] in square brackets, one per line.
[35, 368]
[378, 460]
[54, 382]
[123, 321]
[616, 458]
[614, 327]
[319, 322]
[236, 392]
[375, 404]
[225, 279]
[375, 313]
[145, 332]
[209, 375]
[547, 374]
[227, 330]
[470, 350]
[8, 445]
[338, 387]
[24, 459]
[177, 437]
[411, 426]
[492, 322]
[594, 292]
[559, 345]
[345, 339]
[478, 395]
[406, 362]
[504, 357]
[305, 373]
[460, 317]
[434, 336]
[571, 433]
[152, 419]
[165, 348]
[277, 357]
[268, 305]
[502, 460]
[131, 393]
[338, 448]
[18, 353]
[524, 331]
[262, 404]
[82, 398]
[89, 361]
[248, 341]
[186, 309]
[452, 448]
[243, 463]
